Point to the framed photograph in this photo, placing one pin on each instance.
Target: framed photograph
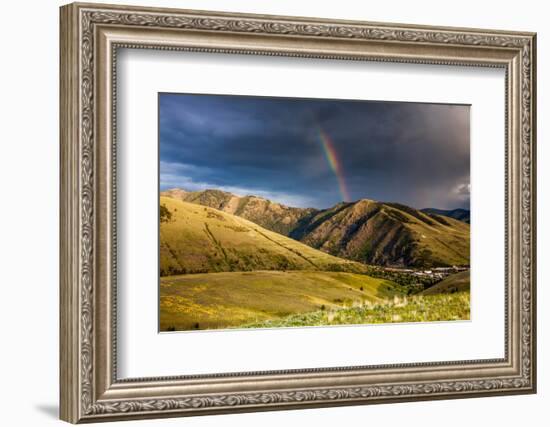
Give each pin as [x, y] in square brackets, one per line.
[266, 221]
[265, 212]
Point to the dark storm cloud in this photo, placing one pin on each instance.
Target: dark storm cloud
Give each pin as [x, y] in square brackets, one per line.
[416, 154]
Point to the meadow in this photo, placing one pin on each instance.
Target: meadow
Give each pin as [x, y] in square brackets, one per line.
[269, 299]
[232, 299]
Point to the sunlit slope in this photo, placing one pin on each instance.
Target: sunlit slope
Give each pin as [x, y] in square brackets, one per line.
[459, 282]
[233, 299]
[266, 213]
[200, 239]
[387, 234]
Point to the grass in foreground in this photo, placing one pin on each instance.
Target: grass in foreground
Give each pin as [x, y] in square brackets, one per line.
[419, 308]
[232, 299]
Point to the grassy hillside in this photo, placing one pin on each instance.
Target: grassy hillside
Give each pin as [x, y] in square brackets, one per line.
[233, 299]
[273, 216]
[430, 308]
[386, 234]
[200, 239]
[459, 282]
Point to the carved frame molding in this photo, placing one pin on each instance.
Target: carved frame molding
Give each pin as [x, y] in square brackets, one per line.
[90, 36]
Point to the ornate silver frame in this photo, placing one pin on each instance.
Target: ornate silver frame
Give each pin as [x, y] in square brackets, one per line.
[90, 36]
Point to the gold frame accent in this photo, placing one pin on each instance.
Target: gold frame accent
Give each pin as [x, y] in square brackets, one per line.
[90, 36]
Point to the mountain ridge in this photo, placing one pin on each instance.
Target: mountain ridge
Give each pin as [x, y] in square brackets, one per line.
[365, 231]
[459, 213]
[387, 234]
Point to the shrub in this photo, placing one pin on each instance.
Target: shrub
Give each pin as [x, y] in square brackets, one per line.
[165, 214]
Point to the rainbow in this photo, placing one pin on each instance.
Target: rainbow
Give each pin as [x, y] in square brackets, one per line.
[334, 163]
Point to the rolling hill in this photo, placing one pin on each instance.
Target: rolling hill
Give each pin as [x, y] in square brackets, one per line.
[460, 214]
[458, 282]
[200, 239]
[365, 231]
[273, 216]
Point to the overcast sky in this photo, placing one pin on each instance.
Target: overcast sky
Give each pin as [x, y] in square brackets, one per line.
[317, 152]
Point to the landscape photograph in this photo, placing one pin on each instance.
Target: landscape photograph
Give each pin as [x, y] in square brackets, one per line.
[302, 212]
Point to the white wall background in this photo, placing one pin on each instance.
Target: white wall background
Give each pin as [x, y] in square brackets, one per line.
[29, 170]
